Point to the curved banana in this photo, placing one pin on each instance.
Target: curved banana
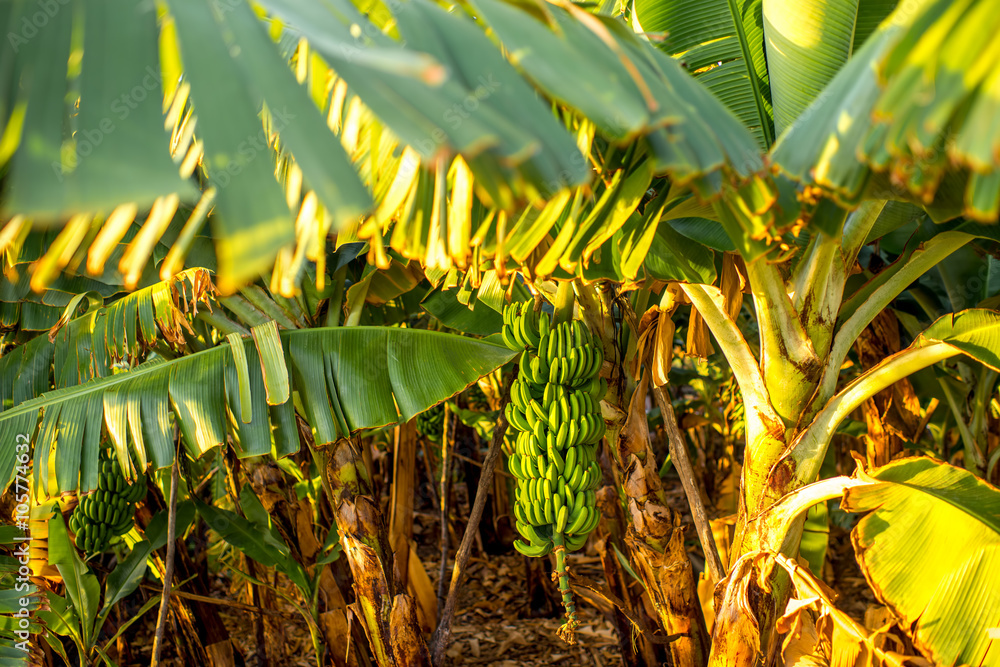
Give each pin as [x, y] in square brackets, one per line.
[577, 541]
[577, 519]
[553, 416]
[532, 551]
[563, 436]
[572, 454]
[529, 533]
[539, 430]
[561, 517]
[556, 458]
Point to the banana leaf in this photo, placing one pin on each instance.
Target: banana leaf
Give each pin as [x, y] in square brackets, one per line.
[347, 379]
[929, 547]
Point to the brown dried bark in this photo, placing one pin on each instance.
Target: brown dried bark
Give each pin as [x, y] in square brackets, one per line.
[388, 613]
[655, 538]
[893, 414]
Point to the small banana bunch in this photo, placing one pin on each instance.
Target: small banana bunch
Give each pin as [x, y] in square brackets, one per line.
[555, 410]
[430, 423]
[476, 398]
[107, 512]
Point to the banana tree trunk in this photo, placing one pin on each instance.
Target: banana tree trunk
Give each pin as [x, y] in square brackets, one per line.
[389, 614]
[636, 650]
[654, 536]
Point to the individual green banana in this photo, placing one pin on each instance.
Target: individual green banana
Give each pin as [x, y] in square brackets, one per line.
[551, 472]
[575, 406]
[577, 518]
[549, 395]
[563, 436]
[556, 458]
[530, 417]
[574, 480]
[561, 517]
[572, 434]
[571, 460]
[525, 359]
[568, 497]
[538, 513]
[565, 411]
[531, 332]
[538, 370]
[555, 417]
[539, 430]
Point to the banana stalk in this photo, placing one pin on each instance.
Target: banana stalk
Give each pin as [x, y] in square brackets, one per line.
[388, 613]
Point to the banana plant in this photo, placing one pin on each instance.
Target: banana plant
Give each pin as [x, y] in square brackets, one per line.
[79, 615]
[244, 532]
[808, 320]
[255, 392]
[944, 596]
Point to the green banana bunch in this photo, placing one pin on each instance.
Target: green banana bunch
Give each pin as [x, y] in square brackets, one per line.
[555, 412]
[476, 398]
[108, 512]
[430, 423]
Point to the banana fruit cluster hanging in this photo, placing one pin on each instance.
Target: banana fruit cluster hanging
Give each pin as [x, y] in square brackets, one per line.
[555, 410]
[108, 512]
[430, 423]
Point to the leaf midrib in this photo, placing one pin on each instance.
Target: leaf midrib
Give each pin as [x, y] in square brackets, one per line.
[765, 128]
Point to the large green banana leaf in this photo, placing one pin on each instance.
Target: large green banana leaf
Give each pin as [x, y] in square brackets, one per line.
[443, 89]
[929, 546]
[919, 103]
[752, 52]
[628, 89]
[808, 41]
[722, 44]
[346, 379]
[118, 153]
